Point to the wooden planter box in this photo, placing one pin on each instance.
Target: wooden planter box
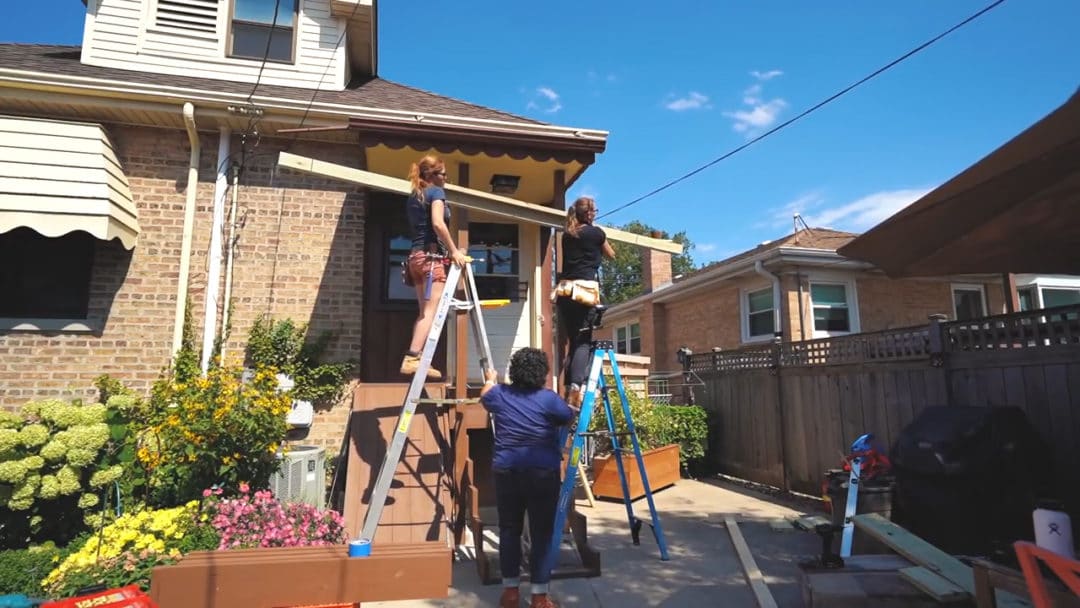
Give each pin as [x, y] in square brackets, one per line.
[661, 465]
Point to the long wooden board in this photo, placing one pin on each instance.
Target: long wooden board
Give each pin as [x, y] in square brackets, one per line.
[469, 199]
[928, 556]
[761, 591]
[938, 587]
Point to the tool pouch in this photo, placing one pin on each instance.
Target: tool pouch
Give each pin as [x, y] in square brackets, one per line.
[586, 293]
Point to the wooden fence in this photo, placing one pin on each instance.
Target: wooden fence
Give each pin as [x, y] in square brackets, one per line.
[782, 414]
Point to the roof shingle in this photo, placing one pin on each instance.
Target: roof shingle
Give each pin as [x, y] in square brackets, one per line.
[371, 92]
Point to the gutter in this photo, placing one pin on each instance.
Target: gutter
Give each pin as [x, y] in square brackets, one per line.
[189, 224]
[791, 255]
[83, 84]
[759, 267]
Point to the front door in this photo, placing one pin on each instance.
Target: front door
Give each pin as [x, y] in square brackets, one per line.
[389, 306]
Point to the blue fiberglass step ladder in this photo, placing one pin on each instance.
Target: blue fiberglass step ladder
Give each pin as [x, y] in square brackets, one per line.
[601, 350]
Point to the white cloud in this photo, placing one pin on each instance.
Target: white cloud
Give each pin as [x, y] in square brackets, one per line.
[705, 247]
[763, 76]
[855, 216]
[759, 114]
[546, 100]
[692, 101]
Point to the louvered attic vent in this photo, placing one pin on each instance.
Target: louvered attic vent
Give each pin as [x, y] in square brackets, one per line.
[191, 15]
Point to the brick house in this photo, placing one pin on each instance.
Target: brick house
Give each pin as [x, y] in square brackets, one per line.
[733, 303]
[139, 184]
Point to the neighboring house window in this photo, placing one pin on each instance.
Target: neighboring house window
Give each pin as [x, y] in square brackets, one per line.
[45, 278]
[1048, 292]
[256, 33]
[1055, 296]
[969, 302]
[759, 319]
[495, 249]
[396, 289]
[628, 339]
[832, 305]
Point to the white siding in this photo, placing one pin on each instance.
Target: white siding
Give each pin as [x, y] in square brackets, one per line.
[125, 34]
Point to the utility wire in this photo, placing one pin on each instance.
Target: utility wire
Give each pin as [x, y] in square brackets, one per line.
[809, 110]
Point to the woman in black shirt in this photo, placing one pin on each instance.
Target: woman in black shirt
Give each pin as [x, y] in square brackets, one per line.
[582, 247]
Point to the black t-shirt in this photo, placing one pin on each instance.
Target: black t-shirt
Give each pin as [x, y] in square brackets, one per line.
[582, 253]
[423, 235]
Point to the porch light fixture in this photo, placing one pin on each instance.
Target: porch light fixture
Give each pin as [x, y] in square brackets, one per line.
[504, 184]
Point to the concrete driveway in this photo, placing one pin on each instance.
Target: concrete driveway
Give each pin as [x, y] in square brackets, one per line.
[703, 570]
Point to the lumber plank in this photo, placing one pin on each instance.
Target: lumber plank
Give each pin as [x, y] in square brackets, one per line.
[470, 199]
[926, 555]
[750, 568]
[941, 589]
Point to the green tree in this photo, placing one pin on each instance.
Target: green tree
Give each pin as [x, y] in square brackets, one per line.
[621, 278]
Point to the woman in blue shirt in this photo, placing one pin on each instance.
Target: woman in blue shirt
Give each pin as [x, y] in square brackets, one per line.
[527, 419]
[432, 245]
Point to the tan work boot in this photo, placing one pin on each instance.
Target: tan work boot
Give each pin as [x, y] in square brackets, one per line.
[510, 598]
[411, 363]
[541, 600]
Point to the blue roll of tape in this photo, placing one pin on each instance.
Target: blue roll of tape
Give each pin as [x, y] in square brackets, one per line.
[360, 548]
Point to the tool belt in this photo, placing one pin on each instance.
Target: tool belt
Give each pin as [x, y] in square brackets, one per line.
[586, 293]
[435, 254]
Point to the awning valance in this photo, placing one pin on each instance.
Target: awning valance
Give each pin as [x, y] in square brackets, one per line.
[57, 177]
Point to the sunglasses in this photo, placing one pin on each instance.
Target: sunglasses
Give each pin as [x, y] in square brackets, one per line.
[439, 173]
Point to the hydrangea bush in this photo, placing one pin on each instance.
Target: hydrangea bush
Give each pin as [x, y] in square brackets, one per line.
[56, 459]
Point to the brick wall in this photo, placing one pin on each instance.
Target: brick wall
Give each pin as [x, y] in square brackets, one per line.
[299, 255]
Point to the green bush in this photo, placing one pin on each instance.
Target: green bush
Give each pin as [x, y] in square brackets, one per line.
[656, 426]
[286, 347]
[21, 570]
[57, 461]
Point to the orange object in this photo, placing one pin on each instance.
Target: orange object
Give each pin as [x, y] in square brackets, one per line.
[124, 597]
[1068, 570]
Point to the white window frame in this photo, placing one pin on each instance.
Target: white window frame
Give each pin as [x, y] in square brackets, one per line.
[744, 314]
[1040, 282]
[851, 295]
[979, 287]
[617, 341]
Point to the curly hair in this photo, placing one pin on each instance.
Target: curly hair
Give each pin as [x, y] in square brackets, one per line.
[529, 368]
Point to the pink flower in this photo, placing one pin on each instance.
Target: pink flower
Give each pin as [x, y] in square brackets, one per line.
[244, 488]
[207, 493]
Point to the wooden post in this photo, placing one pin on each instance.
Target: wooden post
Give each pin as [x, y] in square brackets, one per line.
[1012, 298]
[548, 331]
[461, 327]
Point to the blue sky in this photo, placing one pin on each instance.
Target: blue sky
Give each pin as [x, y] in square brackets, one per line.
[680, 82]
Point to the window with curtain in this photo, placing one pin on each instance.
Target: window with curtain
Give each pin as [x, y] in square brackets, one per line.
[760, 318]
[255, 30]
[628, 339]
[832, 312]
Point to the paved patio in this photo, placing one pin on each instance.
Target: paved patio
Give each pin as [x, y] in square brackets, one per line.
[703, 570]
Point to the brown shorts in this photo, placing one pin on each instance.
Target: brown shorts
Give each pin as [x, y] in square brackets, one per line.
[420, 265]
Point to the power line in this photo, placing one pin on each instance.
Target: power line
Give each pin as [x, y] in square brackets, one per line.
[809, 110]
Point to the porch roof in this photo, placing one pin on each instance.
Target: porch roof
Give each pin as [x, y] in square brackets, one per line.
[58, 177]
[1016, 210]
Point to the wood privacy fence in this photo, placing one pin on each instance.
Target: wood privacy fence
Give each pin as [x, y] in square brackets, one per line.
[783, 413]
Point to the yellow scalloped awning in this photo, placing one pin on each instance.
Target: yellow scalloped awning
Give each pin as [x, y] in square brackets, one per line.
[57, 177]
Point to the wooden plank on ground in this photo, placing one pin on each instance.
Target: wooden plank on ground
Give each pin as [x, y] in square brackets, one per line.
[924, 554]
[750, 568]
[941, 589]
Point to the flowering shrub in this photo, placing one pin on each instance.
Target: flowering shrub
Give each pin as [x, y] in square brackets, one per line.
[55, 459]
[145, 536]
[212, 430]
[260, 520]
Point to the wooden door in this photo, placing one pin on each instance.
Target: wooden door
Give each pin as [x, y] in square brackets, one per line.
[389, 306]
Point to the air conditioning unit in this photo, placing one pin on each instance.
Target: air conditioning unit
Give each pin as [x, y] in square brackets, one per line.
[302, 476]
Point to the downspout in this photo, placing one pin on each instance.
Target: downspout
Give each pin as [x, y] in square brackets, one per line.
[213, 269]
[189, 224]
[759, 268]
[802, 322]
[230, 247]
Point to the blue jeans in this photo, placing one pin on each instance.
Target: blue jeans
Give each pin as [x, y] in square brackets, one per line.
[520, 491]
